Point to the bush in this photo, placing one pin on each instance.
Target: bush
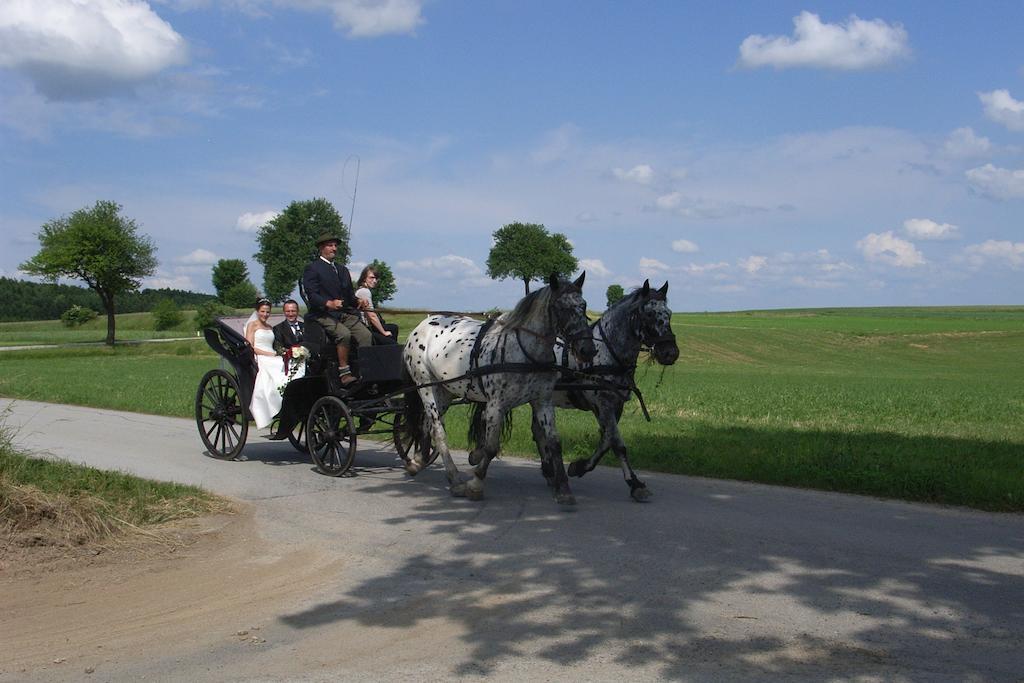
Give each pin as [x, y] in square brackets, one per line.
[208, 313]
[77, 315]
[166, 315]
[241, 295]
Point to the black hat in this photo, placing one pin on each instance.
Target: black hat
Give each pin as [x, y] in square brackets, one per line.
[326, 237]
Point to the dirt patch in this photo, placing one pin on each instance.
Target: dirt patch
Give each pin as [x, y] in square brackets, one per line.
[75, 610]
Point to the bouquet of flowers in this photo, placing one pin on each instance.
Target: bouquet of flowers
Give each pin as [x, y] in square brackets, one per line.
[294, 358]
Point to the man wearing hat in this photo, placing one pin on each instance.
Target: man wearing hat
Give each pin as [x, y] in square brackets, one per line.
[333, 303]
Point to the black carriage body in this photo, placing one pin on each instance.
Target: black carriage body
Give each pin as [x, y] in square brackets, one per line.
[232, 346]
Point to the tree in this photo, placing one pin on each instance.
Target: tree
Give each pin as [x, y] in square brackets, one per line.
[227, 273]
[525, 251]
[166, 315]
[614, 294]
[288, 242]
[241, 295]
[98, 246]
[386, 287]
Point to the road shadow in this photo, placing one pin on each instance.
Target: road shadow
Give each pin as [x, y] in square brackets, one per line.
[700, 583]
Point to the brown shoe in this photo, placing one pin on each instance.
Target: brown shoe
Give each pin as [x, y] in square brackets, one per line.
[348, 379]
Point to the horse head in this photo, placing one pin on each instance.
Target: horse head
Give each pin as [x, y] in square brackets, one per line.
[652, 324]
[569, 315]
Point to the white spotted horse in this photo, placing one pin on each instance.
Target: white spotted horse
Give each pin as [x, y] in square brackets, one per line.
[497, 365]
[640, 320]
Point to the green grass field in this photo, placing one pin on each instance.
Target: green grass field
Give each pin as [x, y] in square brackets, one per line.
[915, 403]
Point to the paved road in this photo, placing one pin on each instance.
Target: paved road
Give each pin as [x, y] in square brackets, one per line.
[713, 580]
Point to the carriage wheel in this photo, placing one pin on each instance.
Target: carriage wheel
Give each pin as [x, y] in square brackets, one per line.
[331, 436]
[404, 443]
[297, 437]
[220, 416]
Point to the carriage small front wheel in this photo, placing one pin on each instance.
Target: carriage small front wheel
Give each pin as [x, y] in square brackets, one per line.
[220, 416]
[331, 436]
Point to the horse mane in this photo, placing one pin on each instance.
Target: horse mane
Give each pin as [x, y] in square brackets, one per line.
[527, 308]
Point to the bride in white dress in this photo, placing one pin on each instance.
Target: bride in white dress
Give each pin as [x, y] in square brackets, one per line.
[266, 398]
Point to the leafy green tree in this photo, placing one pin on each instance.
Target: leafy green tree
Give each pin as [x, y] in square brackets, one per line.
[526, 251]
[288, 242]
[208, 312]
[614, 294]
[76, 316]
[241, 295]
[98, 246]
[227, 273]
[166, 315]
[386, 287]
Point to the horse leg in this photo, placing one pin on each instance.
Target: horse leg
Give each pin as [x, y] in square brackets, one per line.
[608, 423]
[434, 408]
[539, 438]
[637, 489]
[494, 416]
[544, 414]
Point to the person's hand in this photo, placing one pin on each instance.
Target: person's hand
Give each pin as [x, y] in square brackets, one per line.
[363, 304]
[387, 333]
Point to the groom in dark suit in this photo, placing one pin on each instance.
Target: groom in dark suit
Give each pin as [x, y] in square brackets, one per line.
[289, 332]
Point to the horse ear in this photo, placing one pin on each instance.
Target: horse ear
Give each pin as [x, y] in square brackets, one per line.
[553, 280]
[646, 289]
[579, 280]
[664, 289]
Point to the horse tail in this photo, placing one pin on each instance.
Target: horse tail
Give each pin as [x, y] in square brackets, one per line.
[478, 427]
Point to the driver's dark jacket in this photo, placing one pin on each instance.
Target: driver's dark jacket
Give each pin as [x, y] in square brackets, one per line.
[323, 281]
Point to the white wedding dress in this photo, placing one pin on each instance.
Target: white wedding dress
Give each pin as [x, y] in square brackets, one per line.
[266, 398]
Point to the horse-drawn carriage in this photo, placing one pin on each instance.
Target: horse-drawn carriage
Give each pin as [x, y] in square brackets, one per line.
[317, 415]
[451, 359]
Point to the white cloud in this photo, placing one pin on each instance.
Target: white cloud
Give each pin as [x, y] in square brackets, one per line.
[854, 44]
[752, 264]
[199, 257]
[667, 202]
[997, 183]
[86, 50]
[447, 267]
[889, 249]
[594, 266]
[556, 144]
[169, 282]
[927, 229]
[370, 18]
[251, 222]
[685, 247]
[999, 251]
[650, 267]
[963, 143]
[1002, 108]
[702, 268]
[642, 174]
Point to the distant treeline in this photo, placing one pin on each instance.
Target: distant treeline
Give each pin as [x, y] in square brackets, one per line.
[22, 300]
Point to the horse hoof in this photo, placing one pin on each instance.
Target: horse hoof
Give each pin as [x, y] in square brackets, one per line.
[474, 494]
[577, 468]
[413, 468]
[475, 457]
[459, 490]
[641, 494]
[565, 499]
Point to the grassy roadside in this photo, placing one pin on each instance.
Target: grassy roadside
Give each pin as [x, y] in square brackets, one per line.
[57, 503]
[918, 404]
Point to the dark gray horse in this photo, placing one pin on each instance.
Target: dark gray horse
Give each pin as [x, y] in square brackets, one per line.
[641, 319]
[498, 365]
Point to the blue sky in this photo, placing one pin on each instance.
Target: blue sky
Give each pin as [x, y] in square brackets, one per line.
[754, 155]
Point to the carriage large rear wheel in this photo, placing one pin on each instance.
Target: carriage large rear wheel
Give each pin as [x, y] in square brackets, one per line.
[220, 416]
[404, 442]
[297, 437]
[331, 436]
